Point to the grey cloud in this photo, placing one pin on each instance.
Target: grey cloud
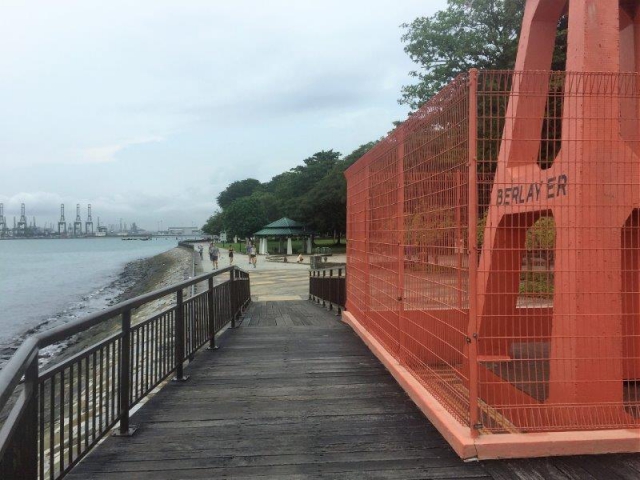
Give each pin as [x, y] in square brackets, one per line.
[234, 89]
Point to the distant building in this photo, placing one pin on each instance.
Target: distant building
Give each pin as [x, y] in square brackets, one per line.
[184, 231]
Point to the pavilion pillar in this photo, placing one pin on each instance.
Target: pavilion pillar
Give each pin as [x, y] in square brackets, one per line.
[289, 246]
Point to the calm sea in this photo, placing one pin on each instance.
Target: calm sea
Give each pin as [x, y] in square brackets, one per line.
[47, 282]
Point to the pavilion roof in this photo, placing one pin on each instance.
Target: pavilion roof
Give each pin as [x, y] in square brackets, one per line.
[285, 227]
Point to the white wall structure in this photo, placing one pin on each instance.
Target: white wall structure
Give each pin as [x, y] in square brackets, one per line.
[263, 247]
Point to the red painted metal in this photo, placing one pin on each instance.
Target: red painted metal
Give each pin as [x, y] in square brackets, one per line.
[407, 225]
[505, 214]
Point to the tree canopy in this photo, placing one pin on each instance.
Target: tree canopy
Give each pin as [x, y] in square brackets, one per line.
[239, 189]
[478, 34]
[313, 193]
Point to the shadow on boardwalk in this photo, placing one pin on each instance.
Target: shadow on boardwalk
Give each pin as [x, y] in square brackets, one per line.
[291, 394]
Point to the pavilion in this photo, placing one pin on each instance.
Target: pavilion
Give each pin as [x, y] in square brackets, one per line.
[283, 228]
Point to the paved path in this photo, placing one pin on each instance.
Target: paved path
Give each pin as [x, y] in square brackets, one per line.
[271, 281]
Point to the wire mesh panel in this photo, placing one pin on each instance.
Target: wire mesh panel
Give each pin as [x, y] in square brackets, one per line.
[407, 246]
[494, 249]
[558, 278]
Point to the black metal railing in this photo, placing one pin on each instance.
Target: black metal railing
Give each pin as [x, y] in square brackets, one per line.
[328, 285]
[58, 415]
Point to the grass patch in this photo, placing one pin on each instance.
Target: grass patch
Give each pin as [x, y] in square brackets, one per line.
[538, 284]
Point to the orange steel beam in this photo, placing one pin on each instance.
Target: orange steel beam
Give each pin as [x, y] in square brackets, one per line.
[591, 307]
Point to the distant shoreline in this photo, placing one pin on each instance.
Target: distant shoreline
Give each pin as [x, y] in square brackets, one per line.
[95, 237]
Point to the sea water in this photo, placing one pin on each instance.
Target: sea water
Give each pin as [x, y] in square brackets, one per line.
[44, 283]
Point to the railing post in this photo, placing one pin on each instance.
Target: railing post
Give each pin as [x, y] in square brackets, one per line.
[125, 429]
[20, 457]
[340, 296]
[232, 299]
[310, 280]
[212, 318]
[31, 419]
[248, 288]
[331, 289]
[180, 377]
[324, 282]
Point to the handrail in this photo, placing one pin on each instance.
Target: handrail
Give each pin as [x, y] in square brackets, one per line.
[57, 334]
[329, 288]
[13, 371]
[60, 414]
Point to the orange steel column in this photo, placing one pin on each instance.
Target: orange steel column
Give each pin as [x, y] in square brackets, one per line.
[577, 191]
[473, 253]
[400, 296]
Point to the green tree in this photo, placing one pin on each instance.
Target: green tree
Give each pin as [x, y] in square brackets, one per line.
[238, 189]
[270, 205]
[478, 34]
[244, 217]
[354, 156]
[292, 186]
[326, 202]
[215, 224]
[314, 193]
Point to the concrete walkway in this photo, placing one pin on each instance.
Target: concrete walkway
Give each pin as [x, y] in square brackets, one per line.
[270, 281]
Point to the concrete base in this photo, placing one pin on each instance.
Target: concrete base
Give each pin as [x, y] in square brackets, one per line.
[508, 445]
[129, 433]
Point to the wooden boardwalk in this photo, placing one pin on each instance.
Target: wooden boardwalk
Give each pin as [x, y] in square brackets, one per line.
[291, 394]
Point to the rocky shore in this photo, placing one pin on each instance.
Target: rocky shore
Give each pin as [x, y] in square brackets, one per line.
[138, 277]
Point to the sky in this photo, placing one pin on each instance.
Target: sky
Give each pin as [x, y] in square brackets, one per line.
[147, 110]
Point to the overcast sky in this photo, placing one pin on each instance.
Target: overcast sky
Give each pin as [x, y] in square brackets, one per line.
[148, 109]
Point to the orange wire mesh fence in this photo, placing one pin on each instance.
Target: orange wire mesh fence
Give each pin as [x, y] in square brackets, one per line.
[494, 249]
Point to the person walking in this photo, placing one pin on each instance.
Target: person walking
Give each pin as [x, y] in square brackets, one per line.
[253, 257]
[214, 253]
[230, 255]
[200, 249]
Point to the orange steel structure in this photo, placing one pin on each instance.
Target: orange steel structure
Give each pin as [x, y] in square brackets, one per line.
[494, 244]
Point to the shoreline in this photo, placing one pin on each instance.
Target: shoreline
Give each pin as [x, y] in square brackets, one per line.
[137, 278]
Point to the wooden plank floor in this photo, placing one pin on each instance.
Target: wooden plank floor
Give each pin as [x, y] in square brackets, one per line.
[292, 394]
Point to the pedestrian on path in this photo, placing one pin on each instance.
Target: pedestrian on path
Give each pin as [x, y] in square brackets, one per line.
[253, 257]
[230, 255]
[214, 253]
[200, 249]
